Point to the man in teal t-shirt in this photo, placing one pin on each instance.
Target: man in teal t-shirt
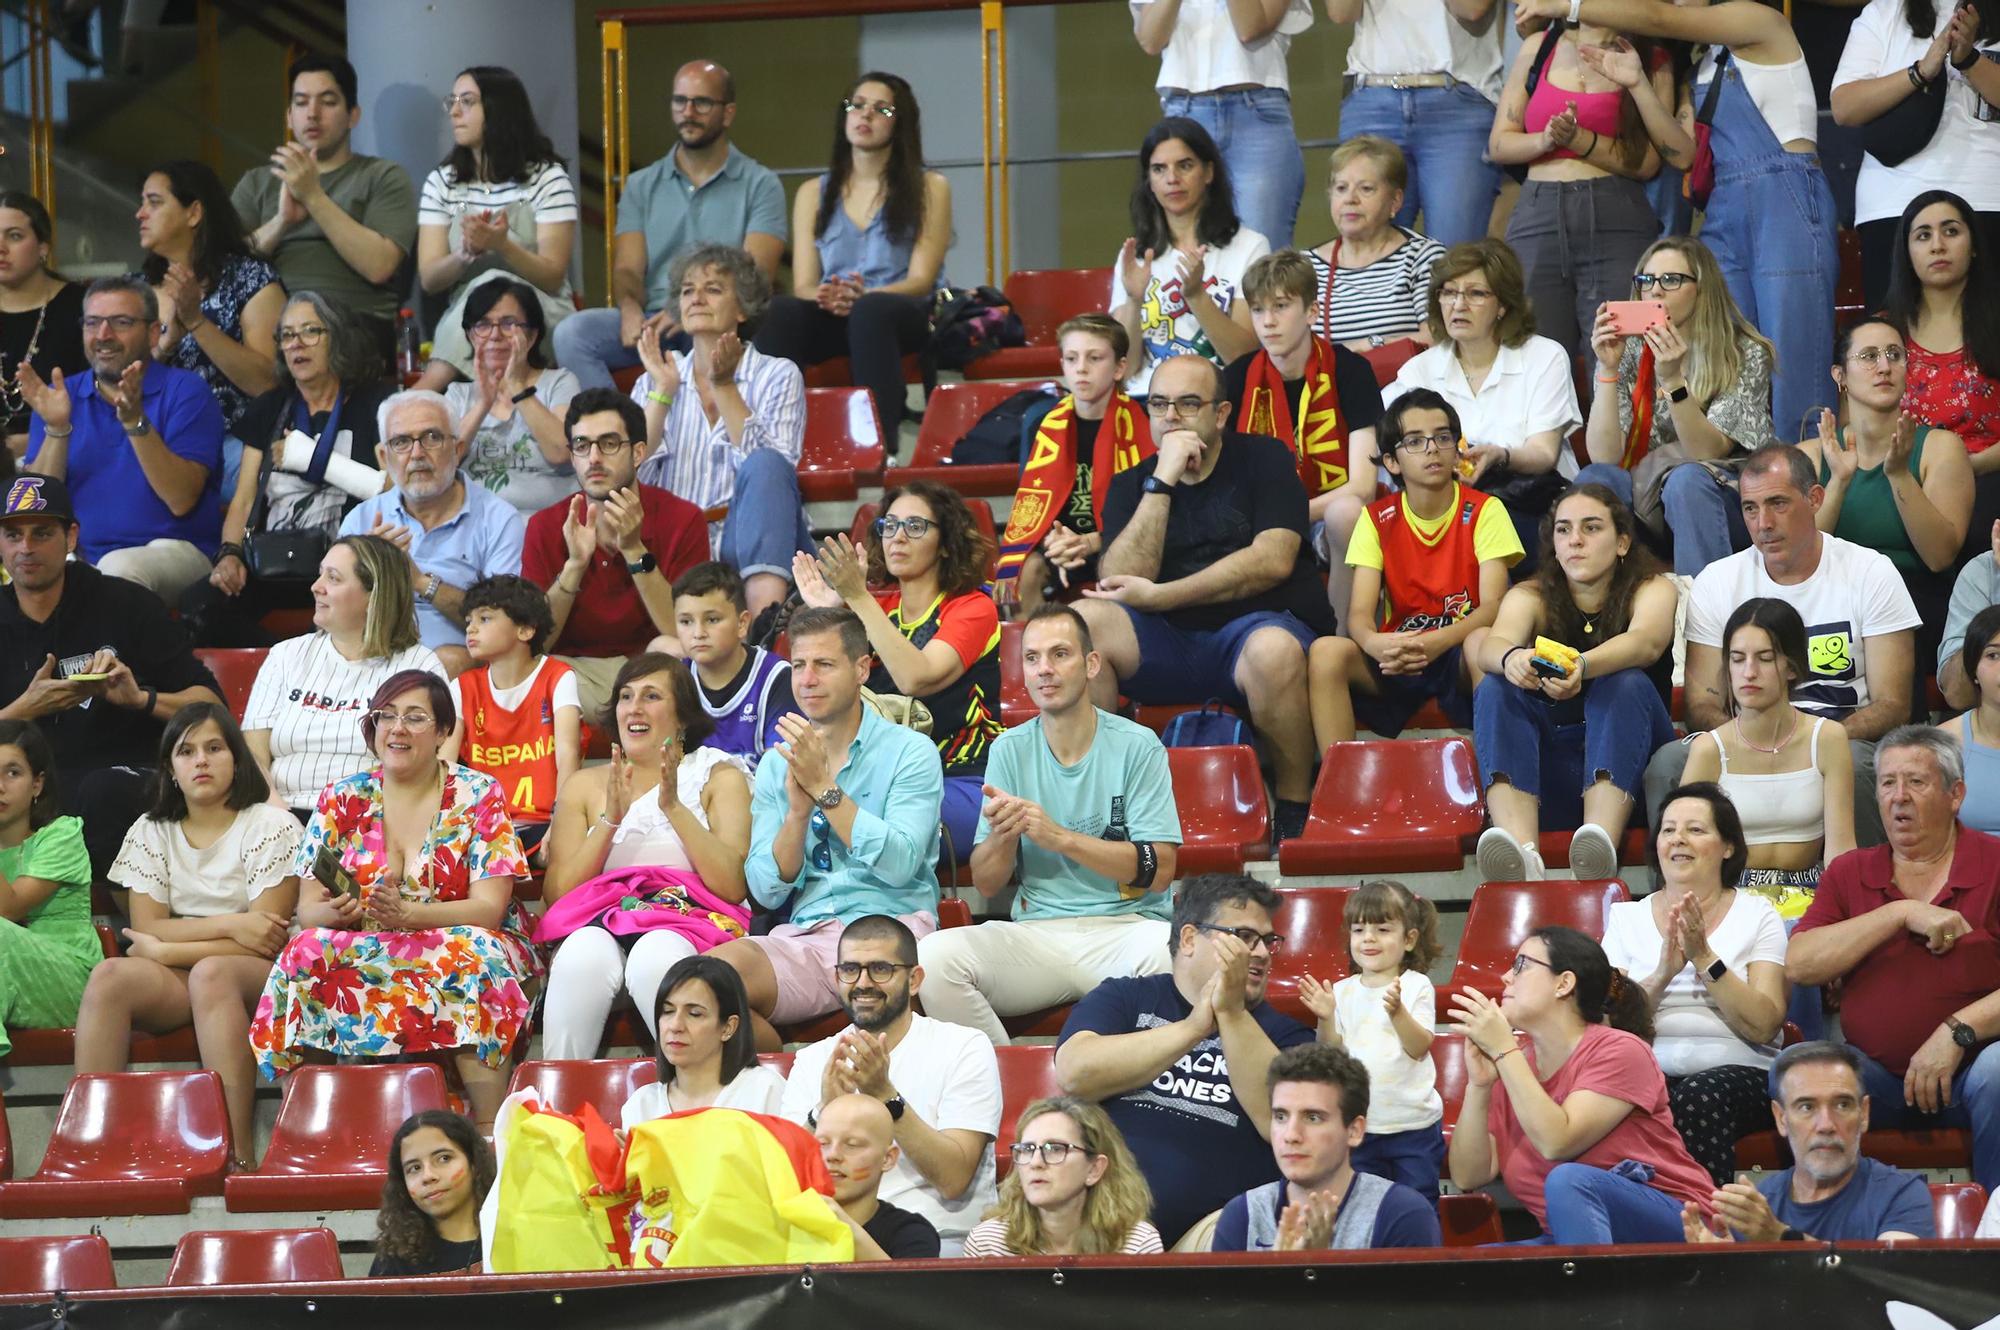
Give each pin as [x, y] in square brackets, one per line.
[1079, 816]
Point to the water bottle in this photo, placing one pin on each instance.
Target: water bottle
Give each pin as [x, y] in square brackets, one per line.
[409, 359]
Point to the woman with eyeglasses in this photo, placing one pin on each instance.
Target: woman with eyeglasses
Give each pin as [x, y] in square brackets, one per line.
[511, 414]
[1675, 405]
[1075, 1190]
[1710, 960]
[41, 311]
[299, 721]
[918, 587]
[500, 204]
[646, 857]
[411, 939]
[880, 224]
[1571, 1112]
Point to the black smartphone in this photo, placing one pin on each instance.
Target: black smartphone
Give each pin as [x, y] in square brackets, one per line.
[1548, 669]
[328, 873]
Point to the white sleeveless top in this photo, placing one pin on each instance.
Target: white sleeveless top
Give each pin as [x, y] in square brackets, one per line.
[645, 836]
[1782, 94]
[1778, 807]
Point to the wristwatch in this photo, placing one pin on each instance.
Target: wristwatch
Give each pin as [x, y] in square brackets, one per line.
[1678, 395]
[895, 1107]
[1154, 485]
[429, 594]
[1962, 1034]
[645, 563]
[140, 427]
[830, 800]
[1716, 970]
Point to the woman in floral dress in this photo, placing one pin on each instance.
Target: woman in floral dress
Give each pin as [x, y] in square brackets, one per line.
[417, 945]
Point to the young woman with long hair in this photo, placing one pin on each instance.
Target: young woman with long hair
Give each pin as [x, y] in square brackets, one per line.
[41, 311]
[47, 944]
[440, 1169]
[1075, 1190]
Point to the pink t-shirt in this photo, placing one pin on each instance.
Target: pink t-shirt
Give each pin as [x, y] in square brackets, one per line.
[1619, 1065]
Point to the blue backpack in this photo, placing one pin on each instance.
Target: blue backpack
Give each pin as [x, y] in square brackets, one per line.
[1209, 727]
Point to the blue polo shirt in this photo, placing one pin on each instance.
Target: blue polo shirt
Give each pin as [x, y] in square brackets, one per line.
[896, 781]
[675, 215]
[116, 506]
[1880, 1198]
[482, 539]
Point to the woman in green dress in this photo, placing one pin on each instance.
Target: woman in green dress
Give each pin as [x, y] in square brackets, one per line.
[47, 945]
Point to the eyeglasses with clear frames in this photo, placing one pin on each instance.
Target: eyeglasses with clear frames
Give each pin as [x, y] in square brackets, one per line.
[883, 109]
[430, 440]
[609, 445]
[1873, 355]
[1463, 295]
[1052, 1152]
[452, 100]
[1428, 443]
[1189, 405]
[312, 334]
[879, 972]
[415, 722]
[1249, 937]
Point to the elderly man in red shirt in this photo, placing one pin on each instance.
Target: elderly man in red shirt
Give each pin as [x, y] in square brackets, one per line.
[1911, 927]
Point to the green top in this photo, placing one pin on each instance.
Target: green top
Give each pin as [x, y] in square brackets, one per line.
[374, 192]
[1868, 515]
[56, 853]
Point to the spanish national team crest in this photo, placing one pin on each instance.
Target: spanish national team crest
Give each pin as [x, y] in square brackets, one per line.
[1030, 506]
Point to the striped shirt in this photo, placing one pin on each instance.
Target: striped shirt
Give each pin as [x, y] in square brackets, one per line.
[989, 1238]
[309, 699]
[548, 193]
[1388, 298]
[696, 458]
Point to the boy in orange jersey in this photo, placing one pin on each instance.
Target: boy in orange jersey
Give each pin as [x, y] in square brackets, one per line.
[1430, 565]
[518, 716]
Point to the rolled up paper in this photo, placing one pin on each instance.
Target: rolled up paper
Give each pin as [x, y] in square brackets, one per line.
[295, 454]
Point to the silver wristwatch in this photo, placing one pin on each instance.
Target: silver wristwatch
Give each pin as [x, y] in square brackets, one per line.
[829, 801]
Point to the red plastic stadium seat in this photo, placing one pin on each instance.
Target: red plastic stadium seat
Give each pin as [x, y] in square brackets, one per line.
[1027, 1073]
[255, 1256]
[132, 1143]
[1943, 1148]
[1448, 1056]
[1389, 806]
[982, 517]
[1313, 921]
[954, 409]
[332, 1136]
[56, 1264]
[603, 1083]
[1504, 913]
[235, 668]
[1016, 707]
[1470, 1219]
[1957, 1206]
[1225, 818]
[1387, 361]
[1554, 846]
[778, 1062]
[1045, 298]
[954, 913]
[843, 443]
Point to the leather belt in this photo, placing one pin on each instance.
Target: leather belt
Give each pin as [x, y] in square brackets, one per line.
[1401, 82]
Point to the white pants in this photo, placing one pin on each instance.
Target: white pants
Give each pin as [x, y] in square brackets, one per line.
[974, 976]
[584, 978]
[164, 567]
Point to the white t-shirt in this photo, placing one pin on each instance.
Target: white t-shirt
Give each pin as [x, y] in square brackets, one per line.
[1205, 54]
[310, 698]
[247, 860]
[948, 1076]
[1421, 37]
[1964, 154]
[756, 1089]
[1402, 1092]
[1689, 1032]
[1853, 595]
[1528, 390]
[1167, 327]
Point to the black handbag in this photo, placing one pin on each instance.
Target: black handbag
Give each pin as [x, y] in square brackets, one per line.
[1907, 128]
[285, 555]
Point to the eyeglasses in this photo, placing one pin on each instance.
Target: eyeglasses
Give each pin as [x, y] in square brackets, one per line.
[916, 528]
[310, 335]
[1249, 937]
[610, 445]
[123, 323]
[1454, 295]
[1522, 960]
[1052, 1152]
[883, 109]
[1869, 355]
[431, 440]
[699, 105]
[1442, 442]
[495, 327]
[416, 722]
[1666, 281]
[1179, 406]
[452, 101]
[880, 972]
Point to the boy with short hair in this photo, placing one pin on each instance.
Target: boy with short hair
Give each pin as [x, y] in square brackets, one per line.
[1430, 566]
[744, 689]
[519, 720]
[1054, 531]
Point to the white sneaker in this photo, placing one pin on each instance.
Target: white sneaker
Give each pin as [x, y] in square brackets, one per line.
[1593, 856]
[1501, 858]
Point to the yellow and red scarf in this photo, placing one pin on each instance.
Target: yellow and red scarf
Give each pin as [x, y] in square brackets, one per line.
[1317, 432]
[1124, 439]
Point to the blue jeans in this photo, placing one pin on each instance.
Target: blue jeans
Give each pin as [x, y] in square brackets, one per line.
[959, 811]
[1705, 517]
[767, 519]
[1442, 132]
[1975, 1103]
[1553, 752]
[587, 346]
[1610, 475]
[1589, 1206]
[1253, 130]
[1414, 1158]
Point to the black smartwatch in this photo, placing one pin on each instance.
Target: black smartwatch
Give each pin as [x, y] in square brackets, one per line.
[1962, 1034]
[895, 1107]
[1154, 485]
[1678, 395]
[645, 563]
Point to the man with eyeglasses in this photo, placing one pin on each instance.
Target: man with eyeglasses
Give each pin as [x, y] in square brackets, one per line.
[703, 192]
[1202, 589]
[939, 1082]
[608, 557]
[1181, 1060]
[455, 531]
[138, 443]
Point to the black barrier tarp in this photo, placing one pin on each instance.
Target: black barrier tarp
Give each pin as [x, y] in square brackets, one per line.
[1643, 1289]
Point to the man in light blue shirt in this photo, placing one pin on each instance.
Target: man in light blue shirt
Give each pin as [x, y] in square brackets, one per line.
[456, 532]
[1080, 814]
[833, 837]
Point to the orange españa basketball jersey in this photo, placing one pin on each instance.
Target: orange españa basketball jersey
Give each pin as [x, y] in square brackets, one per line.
[1427, 584]
[516, 748]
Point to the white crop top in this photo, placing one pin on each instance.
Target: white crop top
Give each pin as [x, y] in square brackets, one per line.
[1780, 808]
[1783, 94]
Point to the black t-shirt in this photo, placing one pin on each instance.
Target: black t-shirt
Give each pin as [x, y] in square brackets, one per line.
[270, 416]
[1079, 517]
[1353, 384]
[447, 1258]
[1255, 487]
[96, 612]
[905, 1236]
[59, 344]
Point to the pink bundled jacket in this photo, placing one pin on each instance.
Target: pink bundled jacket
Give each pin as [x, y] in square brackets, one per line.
[642, 899]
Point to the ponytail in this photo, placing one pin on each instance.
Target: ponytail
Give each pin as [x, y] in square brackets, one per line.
[1627, 1008]
[1604, 996]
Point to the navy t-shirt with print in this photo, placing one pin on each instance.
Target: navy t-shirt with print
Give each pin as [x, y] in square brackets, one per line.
[1880, 1198]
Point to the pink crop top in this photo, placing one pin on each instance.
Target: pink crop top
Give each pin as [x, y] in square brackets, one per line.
[1599, 111]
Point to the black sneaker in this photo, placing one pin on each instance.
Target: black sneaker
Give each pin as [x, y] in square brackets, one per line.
[1288, 819]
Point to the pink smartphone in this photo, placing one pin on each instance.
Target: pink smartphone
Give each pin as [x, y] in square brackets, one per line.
[1631, 318]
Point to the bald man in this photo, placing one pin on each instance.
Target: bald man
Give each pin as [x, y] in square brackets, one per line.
[857, 1138]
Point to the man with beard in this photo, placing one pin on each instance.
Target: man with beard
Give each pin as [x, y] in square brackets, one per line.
[1831, 1194]
[1181, 1060]
[608, 557]
[455, 532]
[704, 192]
[939, 1082]
[328, 218]
[139, 444]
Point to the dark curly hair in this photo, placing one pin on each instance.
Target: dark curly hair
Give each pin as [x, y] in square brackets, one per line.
[965, 553]
[402, 1230]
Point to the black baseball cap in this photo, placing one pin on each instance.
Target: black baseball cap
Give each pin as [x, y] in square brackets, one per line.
[38, 496]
